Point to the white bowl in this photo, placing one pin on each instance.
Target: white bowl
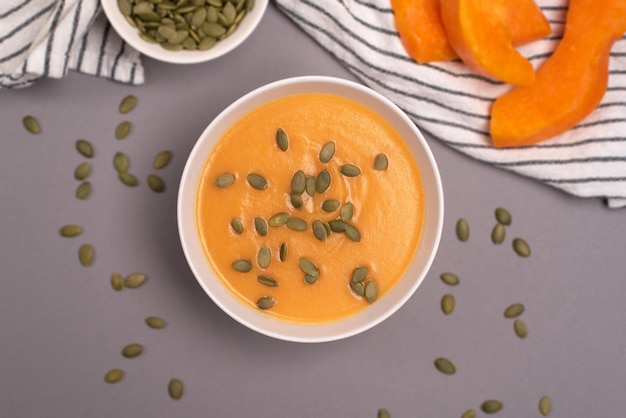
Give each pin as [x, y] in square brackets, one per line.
[131, 36]
[384, 306]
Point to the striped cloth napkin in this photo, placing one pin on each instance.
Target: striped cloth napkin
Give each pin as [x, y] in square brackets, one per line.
[47, 38]
[452, 103]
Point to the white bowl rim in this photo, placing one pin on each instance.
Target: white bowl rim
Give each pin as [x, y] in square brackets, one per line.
[327, 331]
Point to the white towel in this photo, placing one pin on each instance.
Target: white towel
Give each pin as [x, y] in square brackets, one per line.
[451, 103]
[46, 38]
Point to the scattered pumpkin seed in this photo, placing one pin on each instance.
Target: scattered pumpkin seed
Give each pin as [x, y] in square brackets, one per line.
[514, 310]
[347, 211]
[242, 266]
[70, 231]
[267, 281]
[122, 130]
[462, 230]
[128, 179]
[358, 288]
[260, 226]
[282, 254]
[31, 124]
[447, 303]
[224, 180]
[155, 322]
[265, 302]
[120, 162]
[236, 225]
[162, 159]
[350, 170]
[117, 281]
[450, 279]
[491, 406]
[337, 225]
[114, 375]
[84, 148]
[470, 413]
[498, 234]
[353, 233]
[282, 140]
[381, 162]
[520, 328]
[310, 186]
[132, 350]
[319, 231]
[330, 205]
[308, 267]
[83, 190]
[134, 280]
[296, 224]
[371, 291]
[298, 182]
[296, 200]
[545, 405]
[82, 171]
[156, 183]
[128, 103]
[503, 216]
[521, 247]
[278, 219]
[359, 274]
[257, 181]
[383, 413]
[86, 254]
[175, 389]
[323, 181]
[264, 256]
[327, 152]
[445, 366]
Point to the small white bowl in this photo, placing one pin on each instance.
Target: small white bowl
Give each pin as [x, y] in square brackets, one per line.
[131, 36]
[384, 306]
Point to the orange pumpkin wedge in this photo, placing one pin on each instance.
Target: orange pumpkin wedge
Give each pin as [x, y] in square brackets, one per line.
[570, 84]
[479, 33]
[526, 22]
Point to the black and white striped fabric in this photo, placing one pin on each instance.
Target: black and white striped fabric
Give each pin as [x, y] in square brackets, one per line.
[453, 104]
[47, 38]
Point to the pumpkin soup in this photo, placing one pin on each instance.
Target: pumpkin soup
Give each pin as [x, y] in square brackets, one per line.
[310, 208]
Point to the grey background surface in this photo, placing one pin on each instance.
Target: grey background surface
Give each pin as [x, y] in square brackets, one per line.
[62, 326]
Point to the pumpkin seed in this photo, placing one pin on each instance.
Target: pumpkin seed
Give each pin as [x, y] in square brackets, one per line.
[120, 162]
[323, 181]
[337, 225]
[122, 130]
[236, 225]
[447, 303]
[308, 267]
[260, 226]
[128, 103]
[327, 228]
[350, 170]
[520, 328]
[383, 413]
[462, 230]
[498, 234]
[128, 179]
[310, 186]
[83, 190]
[156, 183]
[265, 302]
[198, 18]
[358, 288]
[134, 280]
[503, 216]
[545, 405]
[330, 205]
[445, 366]
[132, 350]
[491, 406]
[85, 255]
[470, 413]
[224, 180]
[514, 310]
[282, 254]
[117, 282]
[371, 291]
[450, 279]
[359, 274]
[296, 200]
[155, 322]
[308, 279]
[162, 159]
[70, 231]
[319, 231]
[296, 224]
[206, 43]
[278, 219]
[298, 182]
[521, 247]
[214, 30]
[353, 233]
[347, 211]
[282, 140]
[257, 181]
[114, 375]
[264, 257]
[82, 171]
[242, 266]
[267, 281]
[84, 148]
[381, 162]
[175, 389]
[327, 152]
[31, 124]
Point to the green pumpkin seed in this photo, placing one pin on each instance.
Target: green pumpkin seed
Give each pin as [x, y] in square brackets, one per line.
[156, 183]
[298, 182]
[359, 274]
[224, 180]
[132, 350]
[514, 310]
[282, 140]
[117, 281]
[383, 413]
[120, 162]
[83, 190]
[257, 181]
[31, 124]
[327, 152]
[323, 181]
[84, 148]
[447, 303]
[264, 257]
[470, 413]
[175, 389]
[128, 179]
[296, 200]
[310, 185]
[330, 205]
[128, 103]
[134, 280]
[520, 328]
[162, 159]
[521, 247]
[545, 405]
[347, 211]
[125, 7]
[282, 254]
[296, 224]
[278, 219]
[308, 279]
[491, 406]
[445, 366]
[236, 225]
[353, 233]
[503, 216]
[114, 375]
[350, 170]
[381, 162]
[268, 281]
[260, 226]
[214, 30]
[171, 47]
[337, 225]
[82, 171]
[358, 288]
[206, 43]
[242, 266]
[450, 279]
[155, 322]
[85, 255]
[462, 230]
[70, 231]
[167, 32]
[198, 18]
[265, 302]
[308, 267]
[319, 231]
[327, 228]
[122, 130]
[498, 234]
[371, 291]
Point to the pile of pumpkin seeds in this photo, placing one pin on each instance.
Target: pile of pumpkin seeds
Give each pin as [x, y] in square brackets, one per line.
[185, 24]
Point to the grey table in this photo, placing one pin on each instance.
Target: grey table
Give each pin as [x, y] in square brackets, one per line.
[62, 326]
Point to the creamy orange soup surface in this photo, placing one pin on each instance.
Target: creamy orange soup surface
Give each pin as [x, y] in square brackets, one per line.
[388, 208]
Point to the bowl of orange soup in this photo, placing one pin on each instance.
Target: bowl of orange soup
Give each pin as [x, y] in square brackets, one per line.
[310, 209]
